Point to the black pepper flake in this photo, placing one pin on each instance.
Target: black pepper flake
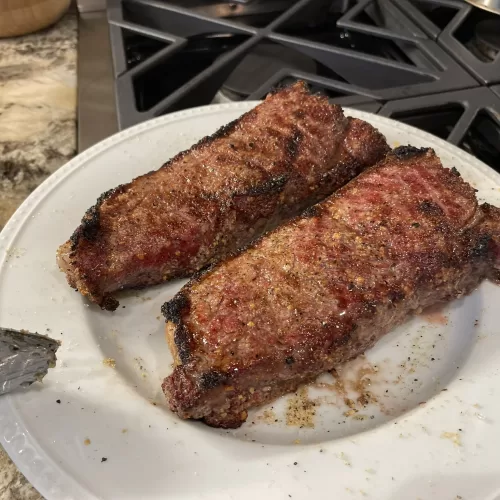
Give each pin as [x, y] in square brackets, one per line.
[416, 224]
[123, 307]
[58, 401]
[432, 359]
[289, 360]
[408, 358]
[415, 379]
[104, 459]
[295, 463]
[460, 430]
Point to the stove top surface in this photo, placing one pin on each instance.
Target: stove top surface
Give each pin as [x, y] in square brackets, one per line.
[432, 63]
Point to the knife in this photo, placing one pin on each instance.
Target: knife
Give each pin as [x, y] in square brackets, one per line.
[24, 358]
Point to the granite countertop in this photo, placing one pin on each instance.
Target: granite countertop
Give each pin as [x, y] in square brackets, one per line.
[37, 109]
[37, 136]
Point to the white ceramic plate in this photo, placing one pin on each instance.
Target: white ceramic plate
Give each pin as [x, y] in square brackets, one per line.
[430, 430]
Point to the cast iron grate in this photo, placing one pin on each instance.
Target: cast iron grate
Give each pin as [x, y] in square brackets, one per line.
[468, 118]
[366, 52]
[469, 34]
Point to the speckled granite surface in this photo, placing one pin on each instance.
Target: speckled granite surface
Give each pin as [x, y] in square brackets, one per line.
[37, 109]
[37, 136]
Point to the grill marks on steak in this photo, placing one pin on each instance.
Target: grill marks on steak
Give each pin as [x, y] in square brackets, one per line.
[324, 287]
[279, 158]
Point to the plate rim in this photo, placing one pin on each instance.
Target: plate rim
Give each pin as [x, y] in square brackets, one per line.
[49, 478]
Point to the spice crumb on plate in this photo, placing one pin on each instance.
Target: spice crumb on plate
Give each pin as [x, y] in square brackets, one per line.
[109, 362]
[86, 442]
[342, 456]
[454, 437]
[301, 410]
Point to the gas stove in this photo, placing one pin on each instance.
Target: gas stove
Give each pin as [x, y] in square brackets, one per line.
[434, 64]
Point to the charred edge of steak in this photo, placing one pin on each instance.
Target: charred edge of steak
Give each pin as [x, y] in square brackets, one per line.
[196, 277]
[109, 303]
[481, 249]
[212, 379]
[271, 186]
[286, 85]
[224, 131]
[314, 211]
[343, 339]
[292, 146]
[347, 165]
[232, 422]
[407, 152]
[172, 309]
[182, 340]
[89, 226]
[428, 207]
[455, 172]
[396, 296]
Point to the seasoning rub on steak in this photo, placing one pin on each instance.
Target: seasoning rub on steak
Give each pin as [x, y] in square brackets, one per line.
[325, 286]
[286, 154]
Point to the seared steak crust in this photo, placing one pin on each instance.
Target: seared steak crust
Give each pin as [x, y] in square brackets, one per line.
[324, 287]
[270, 164]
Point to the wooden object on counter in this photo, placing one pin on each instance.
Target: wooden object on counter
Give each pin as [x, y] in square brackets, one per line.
[19, 17]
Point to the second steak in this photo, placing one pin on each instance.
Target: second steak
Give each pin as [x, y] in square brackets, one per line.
[324, 287]
[286, 154]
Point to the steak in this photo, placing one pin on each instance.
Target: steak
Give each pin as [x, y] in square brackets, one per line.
[325, 286]
[284, 155]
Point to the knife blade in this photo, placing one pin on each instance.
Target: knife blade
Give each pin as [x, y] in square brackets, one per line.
[25, 358]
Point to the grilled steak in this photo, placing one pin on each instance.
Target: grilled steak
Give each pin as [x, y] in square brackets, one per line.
[284, 155]
[324, 287]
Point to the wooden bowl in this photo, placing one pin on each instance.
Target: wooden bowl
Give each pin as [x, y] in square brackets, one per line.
[19, 17]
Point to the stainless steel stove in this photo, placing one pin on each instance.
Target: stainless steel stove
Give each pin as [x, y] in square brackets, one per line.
[432, 63]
